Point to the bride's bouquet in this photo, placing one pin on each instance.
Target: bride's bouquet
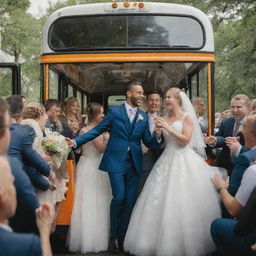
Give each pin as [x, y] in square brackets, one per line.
[56, 145]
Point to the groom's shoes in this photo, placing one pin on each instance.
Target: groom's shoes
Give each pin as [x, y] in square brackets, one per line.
[113, 245]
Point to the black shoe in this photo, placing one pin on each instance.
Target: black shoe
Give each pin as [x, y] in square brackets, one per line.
[113, 245]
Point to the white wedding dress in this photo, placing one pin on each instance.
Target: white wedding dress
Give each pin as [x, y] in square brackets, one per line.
[89, 230]
[173, 214]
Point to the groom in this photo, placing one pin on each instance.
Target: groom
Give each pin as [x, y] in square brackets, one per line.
[123, 157]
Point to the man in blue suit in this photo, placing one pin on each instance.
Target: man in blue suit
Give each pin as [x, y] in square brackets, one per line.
[22, 138]
[230, 127]
[18, 244]
[246, 156]
[122, 159]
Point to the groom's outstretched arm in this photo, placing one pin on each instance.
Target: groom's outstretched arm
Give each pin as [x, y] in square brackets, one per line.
[96, 131]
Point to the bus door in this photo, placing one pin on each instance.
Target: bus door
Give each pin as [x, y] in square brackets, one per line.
[9, 79]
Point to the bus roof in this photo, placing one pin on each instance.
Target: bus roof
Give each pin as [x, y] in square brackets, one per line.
[148, 8]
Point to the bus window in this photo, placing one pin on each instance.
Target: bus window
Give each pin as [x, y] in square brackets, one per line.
[79, 97]
[194, 86]
[53, 85]
[84, 102]
[70, 90]
[115, 100]
[203, 83]
[115, 31]
[6, 82]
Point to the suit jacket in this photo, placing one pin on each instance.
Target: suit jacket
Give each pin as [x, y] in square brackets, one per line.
[150, 157]
[24, 219]
[123, 136]
[22, 137]
[241, 164]
[16, 244]
[225, 130]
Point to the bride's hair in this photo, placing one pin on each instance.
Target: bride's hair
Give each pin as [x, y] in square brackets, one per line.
[176, 93]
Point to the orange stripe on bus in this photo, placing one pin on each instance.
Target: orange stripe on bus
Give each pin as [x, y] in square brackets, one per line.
[64, 216]
[126, 57]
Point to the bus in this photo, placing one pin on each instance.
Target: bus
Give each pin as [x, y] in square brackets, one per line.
[9, 79]
[94, 51]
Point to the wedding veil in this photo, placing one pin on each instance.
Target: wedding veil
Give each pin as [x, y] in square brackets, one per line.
[197, 140]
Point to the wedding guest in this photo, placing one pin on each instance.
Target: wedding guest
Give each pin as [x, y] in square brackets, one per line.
[122, 158]
[22, 138]
[53, 110]
[55, 123]
[161, 223]
[153, 104]
[198, 104]
[72, 114]
[222, 230]
[217, 122]
[35, 117]
[89, 230]
[18, 244]
[245, 155]
[27, 201]
[230, 127]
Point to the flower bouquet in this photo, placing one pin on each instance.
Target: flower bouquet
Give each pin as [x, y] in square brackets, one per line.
[56, 145]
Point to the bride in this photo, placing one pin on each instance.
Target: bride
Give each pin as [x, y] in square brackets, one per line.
[173, 214]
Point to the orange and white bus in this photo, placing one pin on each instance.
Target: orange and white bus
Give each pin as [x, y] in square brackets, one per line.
[93, 51]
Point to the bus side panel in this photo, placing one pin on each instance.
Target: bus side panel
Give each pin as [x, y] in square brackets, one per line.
[64, 216]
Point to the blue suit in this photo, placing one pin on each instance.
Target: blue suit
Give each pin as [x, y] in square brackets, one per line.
[24, 219]
[225, 130]
[241, 164]
[22, 138]
[15, 244]
[122, 160]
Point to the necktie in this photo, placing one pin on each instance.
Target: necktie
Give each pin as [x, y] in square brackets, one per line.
[132, 113]
[236, 128]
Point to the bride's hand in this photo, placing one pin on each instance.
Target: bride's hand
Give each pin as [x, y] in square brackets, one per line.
[160, 122]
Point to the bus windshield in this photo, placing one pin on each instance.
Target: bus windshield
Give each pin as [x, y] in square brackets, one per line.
[125, 31]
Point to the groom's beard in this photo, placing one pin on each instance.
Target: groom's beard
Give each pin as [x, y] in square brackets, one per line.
[136, 102]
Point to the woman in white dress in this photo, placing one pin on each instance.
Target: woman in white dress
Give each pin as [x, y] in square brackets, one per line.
[89, 230]
[173, 214]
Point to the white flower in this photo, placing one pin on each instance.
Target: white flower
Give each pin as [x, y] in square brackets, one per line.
[140, 117]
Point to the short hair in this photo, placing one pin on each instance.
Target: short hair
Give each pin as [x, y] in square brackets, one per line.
[16, 105]
[50, 103]
[153, 92]
[3, 109]
[132, 84]
[243, 97]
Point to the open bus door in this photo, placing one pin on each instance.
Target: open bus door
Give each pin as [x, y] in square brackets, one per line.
[9, 79]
